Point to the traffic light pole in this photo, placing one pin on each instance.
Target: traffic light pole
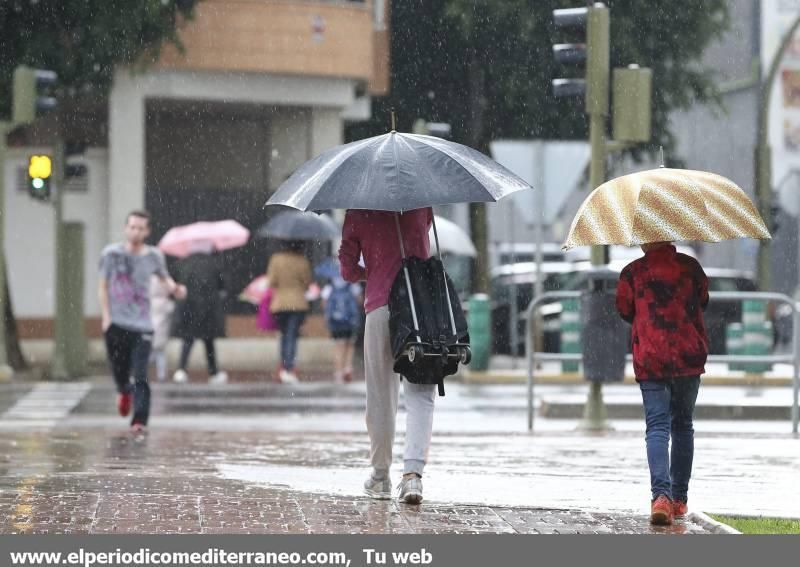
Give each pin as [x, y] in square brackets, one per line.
[595, 416]
[597, 104]
[69, 349]
[631, 124]
[6, 372]
[58, 364]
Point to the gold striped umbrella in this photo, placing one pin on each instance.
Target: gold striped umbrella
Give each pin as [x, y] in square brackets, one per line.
[665, 205]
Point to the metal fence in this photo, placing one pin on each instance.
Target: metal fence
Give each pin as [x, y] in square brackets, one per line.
[533, 357]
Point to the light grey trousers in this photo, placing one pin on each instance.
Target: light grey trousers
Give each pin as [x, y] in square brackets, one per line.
[383, 389]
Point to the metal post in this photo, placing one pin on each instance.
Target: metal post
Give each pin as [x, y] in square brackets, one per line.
[597, 75]
[69, 354]
[6, 372]
[597, 171]
[72, 265]
[513, 310]
[529, 350]
[795, 367]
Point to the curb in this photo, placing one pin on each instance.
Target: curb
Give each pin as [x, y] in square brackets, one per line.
[711, 524]
[503, 377]
[633, 410]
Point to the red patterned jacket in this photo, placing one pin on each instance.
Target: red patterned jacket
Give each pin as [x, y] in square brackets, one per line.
[663, 296]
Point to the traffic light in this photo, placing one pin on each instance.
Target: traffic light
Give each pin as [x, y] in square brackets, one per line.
[40, 172]
[590, 56]
[32, 93]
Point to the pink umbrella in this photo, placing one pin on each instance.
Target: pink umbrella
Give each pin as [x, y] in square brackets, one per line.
[255, 291]
[183, 241]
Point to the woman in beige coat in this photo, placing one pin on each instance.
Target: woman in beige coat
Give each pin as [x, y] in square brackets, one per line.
[289, 274]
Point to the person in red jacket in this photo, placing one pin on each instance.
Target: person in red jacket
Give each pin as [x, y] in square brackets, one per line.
[662, 296]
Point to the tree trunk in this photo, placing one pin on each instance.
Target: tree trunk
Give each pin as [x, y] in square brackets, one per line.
[477, 217]
[15, 357]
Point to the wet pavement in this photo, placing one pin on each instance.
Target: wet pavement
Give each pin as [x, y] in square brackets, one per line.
[297, 467]
[96, 481]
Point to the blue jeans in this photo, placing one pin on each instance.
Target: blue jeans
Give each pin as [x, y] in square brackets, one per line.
[668, 409]
[289, 323]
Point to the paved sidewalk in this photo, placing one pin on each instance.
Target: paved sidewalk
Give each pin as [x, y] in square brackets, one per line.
[291, 459]
[79, 482]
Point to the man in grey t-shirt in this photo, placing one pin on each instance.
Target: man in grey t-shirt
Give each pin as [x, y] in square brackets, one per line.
[124, 292]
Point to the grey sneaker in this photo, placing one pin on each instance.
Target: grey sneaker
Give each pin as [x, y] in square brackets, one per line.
[410, 490]
[378, 488]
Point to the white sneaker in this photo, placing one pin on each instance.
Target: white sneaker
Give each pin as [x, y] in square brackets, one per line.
[180, 377]
[219, 378]
[378, 488]
[410, 490]
[288, 377]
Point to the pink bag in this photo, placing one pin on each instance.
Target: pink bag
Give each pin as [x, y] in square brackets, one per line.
[264, 320]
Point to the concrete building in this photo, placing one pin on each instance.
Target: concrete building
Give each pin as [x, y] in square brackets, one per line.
[723, 141]
[206, 133]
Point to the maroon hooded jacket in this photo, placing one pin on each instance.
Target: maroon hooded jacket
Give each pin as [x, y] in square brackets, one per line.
[663, 296]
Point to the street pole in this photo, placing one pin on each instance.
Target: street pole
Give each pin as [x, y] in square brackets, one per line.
[597, 104]
[69, 349]
[514, 303]
[58, 364]
[6, 372]
[763, 158]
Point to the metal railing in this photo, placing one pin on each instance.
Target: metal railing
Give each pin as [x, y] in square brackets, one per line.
[532, 356]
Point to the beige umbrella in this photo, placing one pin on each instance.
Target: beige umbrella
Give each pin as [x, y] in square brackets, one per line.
[665, 205]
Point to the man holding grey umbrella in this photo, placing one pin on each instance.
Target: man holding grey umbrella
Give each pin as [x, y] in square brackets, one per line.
[373, 235]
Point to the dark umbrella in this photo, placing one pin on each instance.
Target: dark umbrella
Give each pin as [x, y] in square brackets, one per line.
[294, 225]
[396, 172]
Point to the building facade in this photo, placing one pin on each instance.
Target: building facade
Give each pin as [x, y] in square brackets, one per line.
[208, 132]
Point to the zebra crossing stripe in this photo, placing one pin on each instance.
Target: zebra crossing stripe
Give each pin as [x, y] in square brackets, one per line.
[47, 403]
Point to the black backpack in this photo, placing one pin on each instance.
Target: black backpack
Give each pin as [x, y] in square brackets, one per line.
[427, 356]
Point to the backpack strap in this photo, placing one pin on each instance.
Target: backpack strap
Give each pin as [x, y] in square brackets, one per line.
[441, 387]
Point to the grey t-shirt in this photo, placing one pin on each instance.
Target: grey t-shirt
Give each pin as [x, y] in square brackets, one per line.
[128, 279]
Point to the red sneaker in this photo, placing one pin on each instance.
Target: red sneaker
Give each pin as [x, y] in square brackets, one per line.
[661, 511]
[124, 404]
[138, 428]
[679, 509]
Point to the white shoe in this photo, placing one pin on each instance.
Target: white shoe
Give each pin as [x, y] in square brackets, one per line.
[410, 489]
[180, 377]
[288, 377]
[378, 488]
[219, 378]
